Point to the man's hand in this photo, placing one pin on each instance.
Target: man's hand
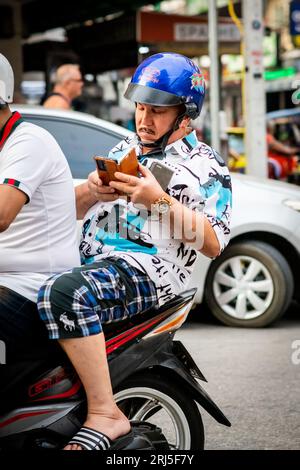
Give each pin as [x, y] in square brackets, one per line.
[90, 192]
[99, 191]
[145, 190]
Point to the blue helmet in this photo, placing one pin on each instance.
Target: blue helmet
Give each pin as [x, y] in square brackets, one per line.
[168, 79]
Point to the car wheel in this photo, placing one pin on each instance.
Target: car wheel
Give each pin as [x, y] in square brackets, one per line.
[249, 285]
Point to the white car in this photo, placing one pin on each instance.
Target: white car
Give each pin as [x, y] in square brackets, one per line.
[254, 280]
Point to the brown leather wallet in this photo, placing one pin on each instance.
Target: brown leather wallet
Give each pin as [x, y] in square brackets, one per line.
[107, 167]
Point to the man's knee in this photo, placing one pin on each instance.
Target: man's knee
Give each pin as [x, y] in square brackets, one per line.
[64, 291]
[61, 290]
[66, 304]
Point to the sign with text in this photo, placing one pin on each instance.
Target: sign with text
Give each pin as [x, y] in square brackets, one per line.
[153, 27]
[199, 32]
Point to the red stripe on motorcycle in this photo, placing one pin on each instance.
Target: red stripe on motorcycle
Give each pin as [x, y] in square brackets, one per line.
[120, 336]
[67, 394]
[23, 416]
[124, 338]
[126, 333]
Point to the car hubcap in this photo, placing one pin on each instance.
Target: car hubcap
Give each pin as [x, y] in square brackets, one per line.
[243, 287]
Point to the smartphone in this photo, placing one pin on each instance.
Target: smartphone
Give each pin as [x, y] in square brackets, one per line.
[101, 165]
[107, 166]
[162, 173]
[105, 169]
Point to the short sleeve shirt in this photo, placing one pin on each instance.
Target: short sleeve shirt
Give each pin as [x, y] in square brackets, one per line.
[42, 239]
[200, 181]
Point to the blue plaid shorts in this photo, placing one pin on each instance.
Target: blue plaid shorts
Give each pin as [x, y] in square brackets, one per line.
[76, 303]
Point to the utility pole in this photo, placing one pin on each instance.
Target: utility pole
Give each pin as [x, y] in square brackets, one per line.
[255, 97]
[214, 74]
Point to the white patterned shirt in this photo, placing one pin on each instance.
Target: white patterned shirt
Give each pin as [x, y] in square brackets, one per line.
[200, 182]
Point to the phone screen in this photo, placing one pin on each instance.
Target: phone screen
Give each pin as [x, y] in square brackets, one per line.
[162, 173]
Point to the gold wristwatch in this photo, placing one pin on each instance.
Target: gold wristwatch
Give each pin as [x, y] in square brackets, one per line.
[162, 205]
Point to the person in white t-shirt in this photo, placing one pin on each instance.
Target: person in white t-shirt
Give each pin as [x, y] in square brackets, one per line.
[133, 260]
[37, 220]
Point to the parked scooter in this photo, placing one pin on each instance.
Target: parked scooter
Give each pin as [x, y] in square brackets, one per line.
[155, 382]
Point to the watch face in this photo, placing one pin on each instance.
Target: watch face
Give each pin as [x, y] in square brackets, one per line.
[163, 207]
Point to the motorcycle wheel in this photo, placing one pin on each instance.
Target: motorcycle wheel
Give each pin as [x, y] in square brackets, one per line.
[162, 401]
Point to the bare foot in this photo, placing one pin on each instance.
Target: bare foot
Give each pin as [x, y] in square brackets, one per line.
[112, 426]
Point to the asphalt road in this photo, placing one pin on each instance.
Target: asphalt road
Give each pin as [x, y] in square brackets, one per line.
[252, 378]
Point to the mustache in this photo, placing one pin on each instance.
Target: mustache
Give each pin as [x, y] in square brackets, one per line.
[146, 129]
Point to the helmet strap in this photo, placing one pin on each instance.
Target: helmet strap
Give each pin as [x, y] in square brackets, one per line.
[160, 144]
[178, 121]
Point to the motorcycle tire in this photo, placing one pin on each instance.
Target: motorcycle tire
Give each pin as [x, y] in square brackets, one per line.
[159, 399]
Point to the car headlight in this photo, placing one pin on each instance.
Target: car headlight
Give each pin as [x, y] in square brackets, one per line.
[293, 204]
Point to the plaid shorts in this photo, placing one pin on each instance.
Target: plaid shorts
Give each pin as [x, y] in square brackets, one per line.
[75, 304]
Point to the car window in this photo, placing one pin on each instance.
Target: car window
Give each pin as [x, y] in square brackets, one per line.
[79, 141]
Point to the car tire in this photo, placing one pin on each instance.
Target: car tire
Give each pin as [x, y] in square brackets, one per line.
[249, 285]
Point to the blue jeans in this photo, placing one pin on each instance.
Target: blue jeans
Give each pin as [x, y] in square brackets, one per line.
[22, 333]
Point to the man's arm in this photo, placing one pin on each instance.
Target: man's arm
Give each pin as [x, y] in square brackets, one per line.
[187, 225]
[84, 200]
[195, 229]
[11, 202]
[278, 146]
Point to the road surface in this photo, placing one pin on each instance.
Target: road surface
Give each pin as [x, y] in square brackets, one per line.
[252, 378]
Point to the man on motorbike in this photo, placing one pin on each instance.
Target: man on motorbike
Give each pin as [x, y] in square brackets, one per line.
[37, 221]
[138, 250]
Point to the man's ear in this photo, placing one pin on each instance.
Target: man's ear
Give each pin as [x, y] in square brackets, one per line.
[185, 122]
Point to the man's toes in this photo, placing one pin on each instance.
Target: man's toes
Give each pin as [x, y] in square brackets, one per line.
[72, 447]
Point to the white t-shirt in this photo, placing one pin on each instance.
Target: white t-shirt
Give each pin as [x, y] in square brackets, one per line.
[42, 240]
[200, 181]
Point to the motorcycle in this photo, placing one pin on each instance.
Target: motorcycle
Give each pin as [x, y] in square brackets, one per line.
[155, 383]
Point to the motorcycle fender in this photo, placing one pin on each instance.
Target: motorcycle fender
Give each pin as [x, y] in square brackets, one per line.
[181, 364]
[163, 353]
